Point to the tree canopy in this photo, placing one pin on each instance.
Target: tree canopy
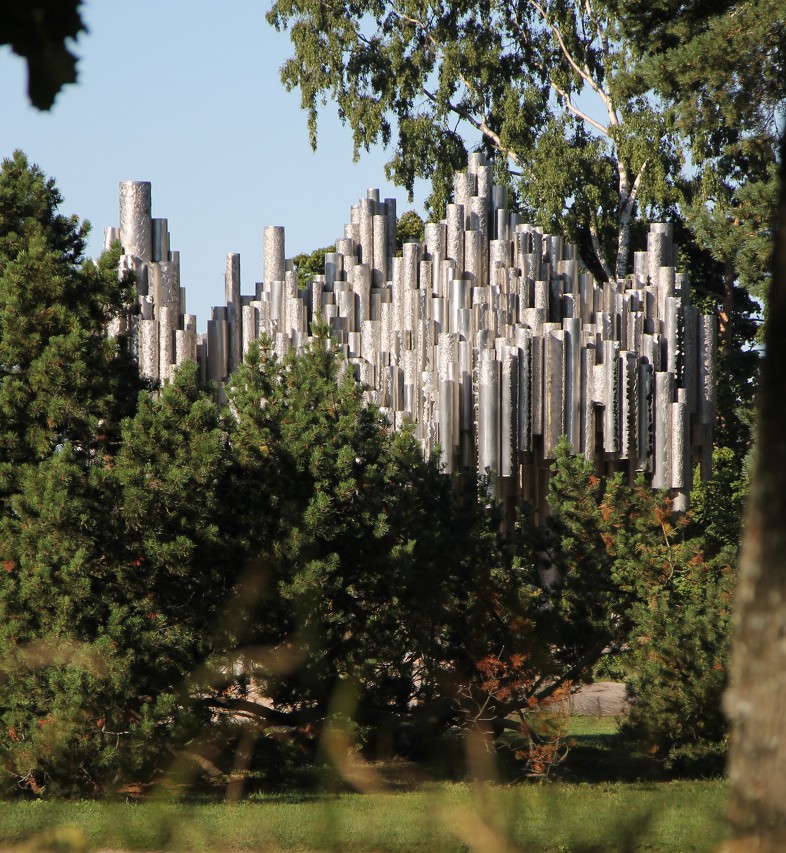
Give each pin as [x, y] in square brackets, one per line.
[600, 115]
[540, 86]
[61, 378]
[367, 564]
[718, 69]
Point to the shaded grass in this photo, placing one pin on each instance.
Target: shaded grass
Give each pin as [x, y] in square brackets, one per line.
[580, 726]
[585, 814]
[678, 816]
[599, 755]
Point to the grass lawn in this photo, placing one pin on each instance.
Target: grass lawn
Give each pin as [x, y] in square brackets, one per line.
[675, 816]
[582, 726]
[588, 810]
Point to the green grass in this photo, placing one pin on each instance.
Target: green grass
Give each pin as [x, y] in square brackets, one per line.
[589, 811]
[597, 755]
[676, 816]
[579, 726]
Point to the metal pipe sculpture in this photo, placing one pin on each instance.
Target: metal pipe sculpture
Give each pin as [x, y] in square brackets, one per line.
[488, 337]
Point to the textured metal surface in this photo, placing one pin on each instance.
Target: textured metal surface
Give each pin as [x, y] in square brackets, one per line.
[273, 253]
[472, 263]
[553, 391]
[488, 337]
[455, 235]
[611, 397]
[148, 348]
[380, 248]
[167, 324]
[366, 223]
[135, 222]
[159, 239]
[509, 410]
[234, 315]
[488, 414]
[434, 238]
[573, 388]
[664, 397]
[185, 345]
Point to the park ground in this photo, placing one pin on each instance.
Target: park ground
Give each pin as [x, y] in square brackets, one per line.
[602, 799]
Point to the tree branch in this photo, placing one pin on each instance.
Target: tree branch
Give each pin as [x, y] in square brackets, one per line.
[575, 671]
[478, 124]
[263, 712]
[598, 249]
[579, 113]
[636, 185]
[582, 72]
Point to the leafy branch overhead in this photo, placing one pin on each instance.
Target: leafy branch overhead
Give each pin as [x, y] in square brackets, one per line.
[597, 114]
[540, 85]
[39, 31]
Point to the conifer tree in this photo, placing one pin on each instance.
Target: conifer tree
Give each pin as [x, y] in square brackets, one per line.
[678, 666]
[61, 378]
[367, 563]
[64, 388]
[626, 583]
[116, 577]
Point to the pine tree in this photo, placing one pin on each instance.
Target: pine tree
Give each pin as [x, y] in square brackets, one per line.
[64, 388]
[678, 668]
[117, 576]
[61, 378]
[365, 561]
[626, 582]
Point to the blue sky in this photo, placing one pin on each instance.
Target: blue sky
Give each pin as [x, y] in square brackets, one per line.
[187, 96]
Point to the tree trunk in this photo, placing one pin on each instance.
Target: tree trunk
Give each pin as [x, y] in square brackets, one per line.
[727, 311]
[627, 201]
[623, 245]
[756, 699]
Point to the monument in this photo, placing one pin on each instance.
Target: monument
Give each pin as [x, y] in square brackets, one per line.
[488, 337]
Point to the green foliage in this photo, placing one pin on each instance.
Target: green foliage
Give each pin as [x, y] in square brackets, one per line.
[180, 556]
[61, 378]
[310, 264]
[717, 507]
[508, 76]
[291, 558]
[680, 667]
[600, 549]
[114, 579]
[622, 576]
[599, 116]
[108, 585]
[366, 558]
[729, 57]
[714, 290]
[408, 227]
[38, 31]
[563, 593]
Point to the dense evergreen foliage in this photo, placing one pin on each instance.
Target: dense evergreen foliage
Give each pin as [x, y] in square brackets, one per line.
[62, 380]
[634, 589]
[366, 562]
[181, 576]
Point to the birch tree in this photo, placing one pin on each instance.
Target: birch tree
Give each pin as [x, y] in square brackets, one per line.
[540, 85]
